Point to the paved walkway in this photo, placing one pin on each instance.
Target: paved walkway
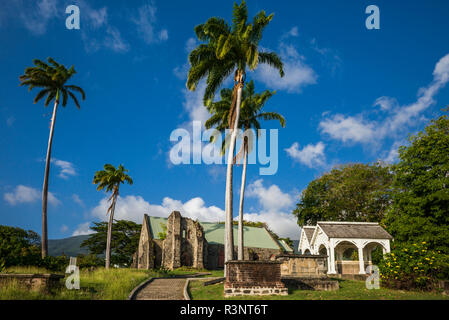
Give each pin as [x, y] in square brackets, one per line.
[163, 289]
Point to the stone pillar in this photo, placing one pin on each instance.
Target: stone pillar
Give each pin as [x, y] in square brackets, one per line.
[172, 242]
[361, 261]
[368, 254]
[331, 259]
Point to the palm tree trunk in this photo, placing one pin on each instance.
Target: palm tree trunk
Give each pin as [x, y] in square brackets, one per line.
[109, 237]
[229, 236]
[242, 196]
[44, 240]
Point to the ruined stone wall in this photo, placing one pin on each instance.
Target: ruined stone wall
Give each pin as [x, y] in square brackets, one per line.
[184, 244]
[145, 255]
[158, 245]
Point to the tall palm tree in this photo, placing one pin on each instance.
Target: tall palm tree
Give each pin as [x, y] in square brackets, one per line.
[227, 49]
[51, 78]
[110, 179]
[251, 113]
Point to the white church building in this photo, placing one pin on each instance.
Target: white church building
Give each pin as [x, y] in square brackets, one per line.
[342, 242]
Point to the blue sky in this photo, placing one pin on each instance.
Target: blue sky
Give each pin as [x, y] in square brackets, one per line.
[349, 95]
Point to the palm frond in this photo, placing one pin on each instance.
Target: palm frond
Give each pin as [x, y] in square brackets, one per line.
[273, 60]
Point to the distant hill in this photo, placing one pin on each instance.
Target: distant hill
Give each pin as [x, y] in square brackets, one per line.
[69, 246]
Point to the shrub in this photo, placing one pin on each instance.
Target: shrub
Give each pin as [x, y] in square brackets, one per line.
[413, 266]
[54, 264]
[89, 261]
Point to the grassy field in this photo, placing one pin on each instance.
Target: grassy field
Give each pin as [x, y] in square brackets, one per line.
[349, 290]
[100, 284]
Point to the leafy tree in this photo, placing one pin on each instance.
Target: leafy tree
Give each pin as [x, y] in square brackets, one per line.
[110, 179]
[420, 210]
[18, 246]
[251, 114]
[354, 192]
[227, 49]
[52, 81]
[124, 239]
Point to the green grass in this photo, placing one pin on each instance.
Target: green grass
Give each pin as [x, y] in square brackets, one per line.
[100, 284]
[28, 269]
[349, 290]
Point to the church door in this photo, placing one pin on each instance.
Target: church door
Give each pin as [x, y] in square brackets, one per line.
[221, 258]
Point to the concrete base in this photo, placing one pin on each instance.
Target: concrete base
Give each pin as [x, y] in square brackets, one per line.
[311, 283]
[358, 277]
[254, 291]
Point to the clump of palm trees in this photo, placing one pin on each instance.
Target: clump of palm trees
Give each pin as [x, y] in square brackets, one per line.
[228, 49]
[251, 113]
[51, 79]
[225, 50]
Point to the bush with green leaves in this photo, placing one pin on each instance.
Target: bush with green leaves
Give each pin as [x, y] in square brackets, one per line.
[89, 261]
[19, 247]
[413, 266]
[54, 264]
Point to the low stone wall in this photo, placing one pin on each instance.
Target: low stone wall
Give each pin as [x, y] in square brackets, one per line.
[33, 282]
[253, 278]
[298, 265]
[310, 283]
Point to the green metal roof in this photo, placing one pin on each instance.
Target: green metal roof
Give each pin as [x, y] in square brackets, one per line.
[214, 233]
[156, 226]
[285, 246]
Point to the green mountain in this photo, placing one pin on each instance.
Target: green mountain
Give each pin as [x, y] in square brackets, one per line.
[71, 247]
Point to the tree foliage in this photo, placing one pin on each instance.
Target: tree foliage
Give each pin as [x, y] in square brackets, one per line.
[18, 246]
[51, 78]
[124, 241]
[225, 48]
[420, 210]
[354, 192]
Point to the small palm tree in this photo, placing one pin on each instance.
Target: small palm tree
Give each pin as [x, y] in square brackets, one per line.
[110, 179]
[52, 81]
[227, 49]
[251, 113]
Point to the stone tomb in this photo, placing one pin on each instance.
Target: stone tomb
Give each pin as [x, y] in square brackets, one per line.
[33, 282]
[253, 278]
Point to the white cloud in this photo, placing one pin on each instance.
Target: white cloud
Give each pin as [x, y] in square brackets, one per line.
[66, 168]
[96, 31]
[83, 229]
[348, 129]
[36, 17]
[311, 155]
[134, 207]
[329, 57]
[24, 194]
[276, 207]
[76, 198]
[293, 32]
[145, 21]
[114, 40]
[272, 198]
[53, 200]
[284, 224]
[63, 228]
[385, 103]
[399, 118]
[182, 71]
[297, 73]
[193, 103]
